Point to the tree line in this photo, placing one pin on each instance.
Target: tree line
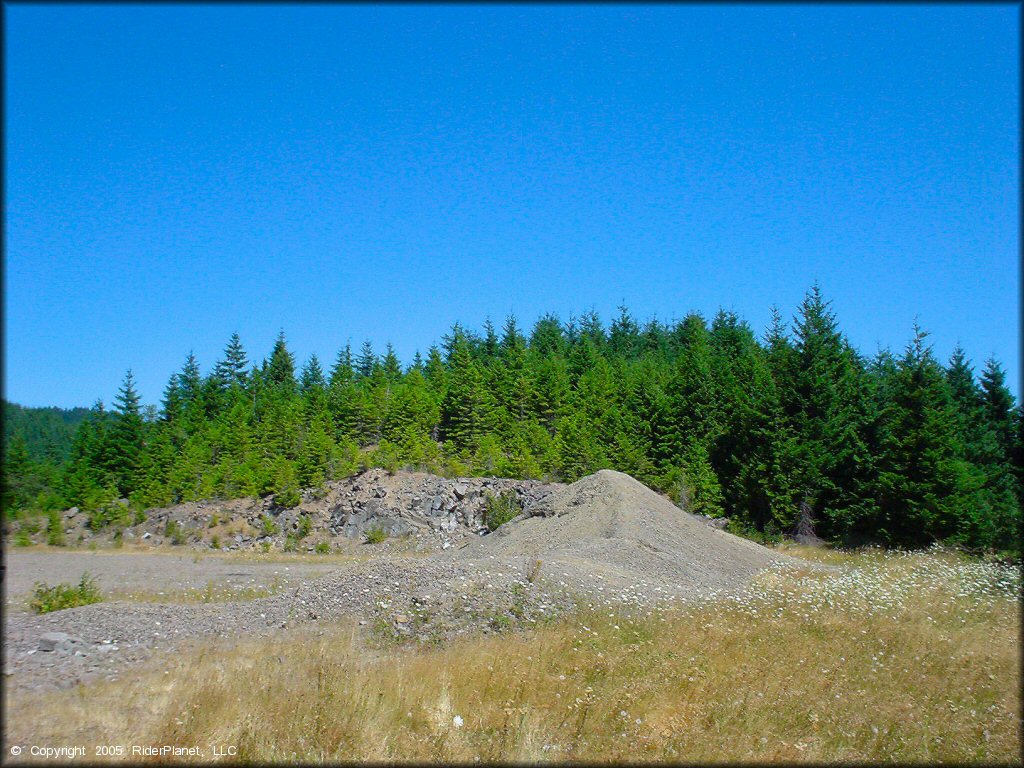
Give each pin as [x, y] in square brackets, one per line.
[896, 449]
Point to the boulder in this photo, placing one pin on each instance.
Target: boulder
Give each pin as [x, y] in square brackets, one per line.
[460, 491]
[59, 642]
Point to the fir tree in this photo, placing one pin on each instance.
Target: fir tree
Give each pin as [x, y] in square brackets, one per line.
[232, 369]
[366, 361]
[126, 437]
[312, 376]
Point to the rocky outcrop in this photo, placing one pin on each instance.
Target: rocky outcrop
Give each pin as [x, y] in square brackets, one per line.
[437, 512]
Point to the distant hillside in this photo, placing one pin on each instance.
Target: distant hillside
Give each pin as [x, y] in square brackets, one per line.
[47, 432]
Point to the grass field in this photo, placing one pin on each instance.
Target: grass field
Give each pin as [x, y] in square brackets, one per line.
[895, 657]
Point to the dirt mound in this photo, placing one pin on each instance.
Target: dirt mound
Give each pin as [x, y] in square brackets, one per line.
[610, 530]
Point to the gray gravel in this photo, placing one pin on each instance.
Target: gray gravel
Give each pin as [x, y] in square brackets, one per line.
[606, 540]
[153, 571]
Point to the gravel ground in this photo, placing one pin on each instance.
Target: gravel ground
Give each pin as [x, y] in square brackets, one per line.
[606, 540]
[150, 571]
[426, 598]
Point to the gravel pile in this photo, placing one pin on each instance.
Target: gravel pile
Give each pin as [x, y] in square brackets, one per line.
[610, 534]
[606, 540]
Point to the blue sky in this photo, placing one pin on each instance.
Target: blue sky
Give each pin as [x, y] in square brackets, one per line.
[178, 172]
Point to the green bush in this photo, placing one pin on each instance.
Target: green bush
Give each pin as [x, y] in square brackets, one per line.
[500, 509]
[55, 529]
[287, 498]
[23, 538]
[291, 543]
[270, 528]
[111, 514]
[215, 541]
[305, 526]
[46, 599]
[175, 533]
[376, 535]
[323, 547]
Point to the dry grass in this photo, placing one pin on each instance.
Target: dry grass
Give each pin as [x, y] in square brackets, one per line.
[898, 658]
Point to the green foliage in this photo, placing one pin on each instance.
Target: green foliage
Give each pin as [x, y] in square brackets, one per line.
[287, 498]
[174, 531]
[323, 547]
[894, 450]
[305, 526]
[500, 509]
[110, 513]
[46, 599]
[23, 538]
[291, 543]
[270, 527]
[55, 530]
[376, 535]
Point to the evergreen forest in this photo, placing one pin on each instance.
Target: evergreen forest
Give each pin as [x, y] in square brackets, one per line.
[897, 449]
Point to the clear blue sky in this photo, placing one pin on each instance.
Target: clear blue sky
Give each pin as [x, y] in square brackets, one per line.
[178, 172]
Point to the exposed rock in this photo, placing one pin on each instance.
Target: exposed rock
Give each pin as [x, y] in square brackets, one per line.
[60, 642]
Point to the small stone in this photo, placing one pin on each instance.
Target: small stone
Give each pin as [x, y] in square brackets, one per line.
[460, 490]
[401, 619]
[55, 641]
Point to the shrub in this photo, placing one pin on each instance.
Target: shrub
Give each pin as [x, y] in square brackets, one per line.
[305, 526]
[55, 529]
[46, 598]
[111, 514]
[270, 528]
[291, 543]
[376, 535]
[500, 509]
[287, 498]
[214, 521]
[215, 541]
[175, 533]
[323, 547]
[23, 538]
[265, 546]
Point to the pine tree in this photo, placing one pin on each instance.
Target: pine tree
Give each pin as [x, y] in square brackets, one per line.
[391, 365]
[126, 437]
[490, 348]
[547, 337]
[998, 406]
[366, 361]
[624, 335]
[280, 371]
[916, 482]
[232, 369]
[312, 376]
[464, 404]
[827, 406]
[342, 372]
